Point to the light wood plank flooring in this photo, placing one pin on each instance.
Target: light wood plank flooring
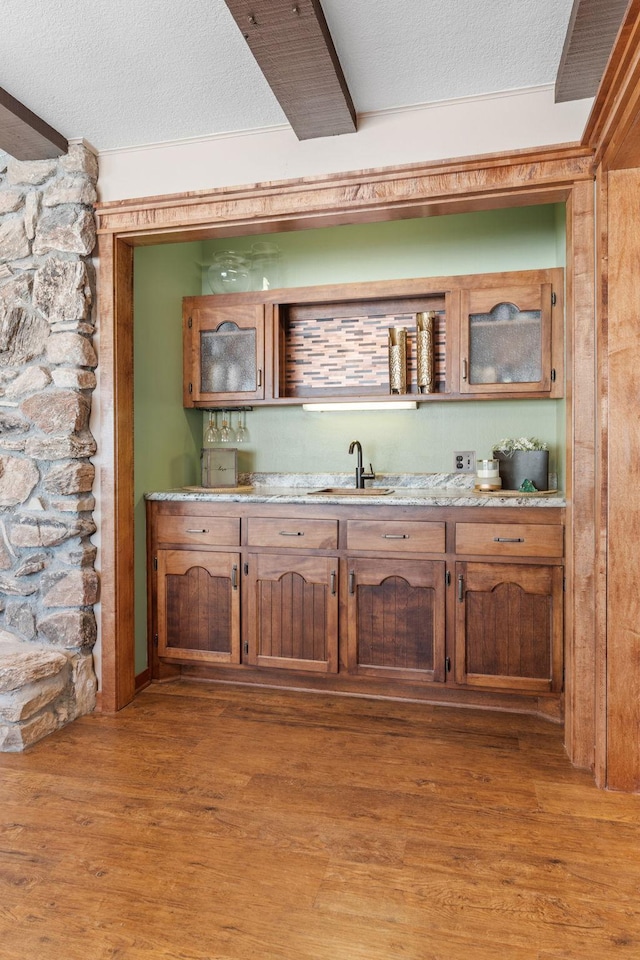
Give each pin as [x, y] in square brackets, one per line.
[219, 823]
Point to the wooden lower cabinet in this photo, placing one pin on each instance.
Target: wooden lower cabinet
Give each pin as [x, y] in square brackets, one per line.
[396, 618]
[509, 626]
[293, 612]
[462, 606]
[198, 606]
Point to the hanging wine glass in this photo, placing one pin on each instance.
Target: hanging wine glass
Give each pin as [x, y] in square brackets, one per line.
[212, 433]
[242, 433]
[227, 435]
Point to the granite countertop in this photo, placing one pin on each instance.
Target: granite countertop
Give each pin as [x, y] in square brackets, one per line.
[413, 489]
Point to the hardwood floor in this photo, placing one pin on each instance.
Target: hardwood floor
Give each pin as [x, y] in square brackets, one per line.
[217, 823]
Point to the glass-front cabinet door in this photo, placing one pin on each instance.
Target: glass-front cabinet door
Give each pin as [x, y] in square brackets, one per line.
[224, 352]
[506, 340]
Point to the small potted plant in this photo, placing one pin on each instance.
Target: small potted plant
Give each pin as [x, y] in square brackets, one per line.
[520, 459]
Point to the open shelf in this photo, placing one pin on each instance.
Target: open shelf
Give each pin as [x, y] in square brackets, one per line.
[341, 348]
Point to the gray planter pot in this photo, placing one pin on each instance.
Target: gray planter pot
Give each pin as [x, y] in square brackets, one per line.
[523, 465]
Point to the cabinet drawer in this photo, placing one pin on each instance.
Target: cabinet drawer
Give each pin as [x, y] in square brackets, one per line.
[397, 536]
[292, 532]
[206, 531]
[510, 539]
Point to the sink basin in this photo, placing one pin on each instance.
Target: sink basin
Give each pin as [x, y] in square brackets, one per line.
[352, 491]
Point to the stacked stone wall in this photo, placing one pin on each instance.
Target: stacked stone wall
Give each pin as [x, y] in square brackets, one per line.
[48, 584]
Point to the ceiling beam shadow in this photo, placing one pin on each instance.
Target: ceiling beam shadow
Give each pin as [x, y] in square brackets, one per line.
[593, 27]
[25, 136]
[291, 43]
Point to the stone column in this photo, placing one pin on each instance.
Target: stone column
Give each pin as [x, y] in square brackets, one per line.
[48, 584]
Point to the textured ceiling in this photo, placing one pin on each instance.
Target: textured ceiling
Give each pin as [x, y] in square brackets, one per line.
[131, 72]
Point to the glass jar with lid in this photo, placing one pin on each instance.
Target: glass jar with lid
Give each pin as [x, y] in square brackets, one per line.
[230, 272]
[266, 265]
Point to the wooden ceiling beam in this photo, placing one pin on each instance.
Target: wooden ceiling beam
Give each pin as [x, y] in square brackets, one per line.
[593, 27]
[25, 136]
[291, 43]
[613, 128]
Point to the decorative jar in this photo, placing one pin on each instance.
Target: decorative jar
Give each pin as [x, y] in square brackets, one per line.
[230, 272]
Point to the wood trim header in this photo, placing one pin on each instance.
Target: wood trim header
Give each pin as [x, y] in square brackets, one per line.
[477, 183]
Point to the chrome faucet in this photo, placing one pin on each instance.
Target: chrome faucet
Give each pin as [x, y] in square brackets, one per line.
[361, 476]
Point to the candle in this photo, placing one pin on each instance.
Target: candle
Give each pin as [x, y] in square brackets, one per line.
[488, 469]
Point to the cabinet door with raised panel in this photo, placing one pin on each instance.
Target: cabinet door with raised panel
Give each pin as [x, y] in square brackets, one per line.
[396, 618]
[293, 612]
[223, 352]
[198, 606]
[509, 626]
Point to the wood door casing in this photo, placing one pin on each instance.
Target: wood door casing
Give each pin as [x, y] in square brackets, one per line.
[509, 626]
[396, 618]
[293, 612]
[557, 174]
[198, 606]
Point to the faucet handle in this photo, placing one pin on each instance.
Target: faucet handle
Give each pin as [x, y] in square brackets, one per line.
[369, 476]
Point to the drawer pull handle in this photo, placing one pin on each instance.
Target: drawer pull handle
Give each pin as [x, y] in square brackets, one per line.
[197, 531]
[508, 539]
[286, 533]
[395, 536]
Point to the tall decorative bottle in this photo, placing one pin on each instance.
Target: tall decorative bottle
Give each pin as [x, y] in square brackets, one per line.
[425, 351]
[397, 359]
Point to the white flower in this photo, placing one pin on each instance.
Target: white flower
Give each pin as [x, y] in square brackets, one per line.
[510, 445]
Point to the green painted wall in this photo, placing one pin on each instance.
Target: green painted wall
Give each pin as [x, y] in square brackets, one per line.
[168, 438]
[520, 239]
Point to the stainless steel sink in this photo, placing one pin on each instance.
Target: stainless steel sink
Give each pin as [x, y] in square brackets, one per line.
[352, 492]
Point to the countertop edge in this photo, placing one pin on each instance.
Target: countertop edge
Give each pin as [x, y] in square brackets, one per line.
[405, 497]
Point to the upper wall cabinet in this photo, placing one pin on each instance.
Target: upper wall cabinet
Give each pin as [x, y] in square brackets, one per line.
[224, 356]
[506, 340]
[491, 335]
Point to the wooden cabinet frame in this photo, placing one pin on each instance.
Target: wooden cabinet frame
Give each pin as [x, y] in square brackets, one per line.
[289, 357]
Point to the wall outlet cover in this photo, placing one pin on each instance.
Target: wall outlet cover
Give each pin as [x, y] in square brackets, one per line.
[464, 461]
